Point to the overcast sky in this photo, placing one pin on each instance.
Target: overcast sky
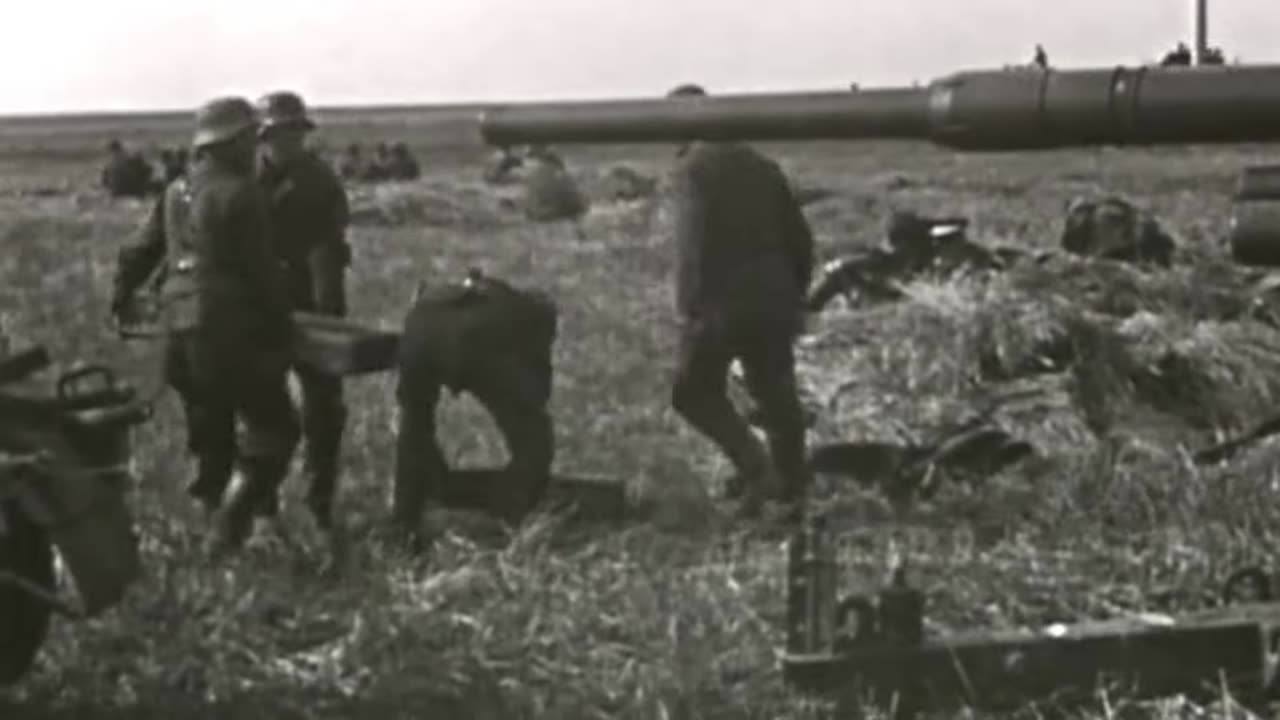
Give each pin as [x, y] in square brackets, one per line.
[143, 54]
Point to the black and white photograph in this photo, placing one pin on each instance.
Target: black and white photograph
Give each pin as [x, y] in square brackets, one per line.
[581, 360]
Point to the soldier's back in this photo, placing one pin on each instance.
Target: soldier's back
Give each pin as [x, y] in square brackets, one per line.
[743, 199]
[456, 328]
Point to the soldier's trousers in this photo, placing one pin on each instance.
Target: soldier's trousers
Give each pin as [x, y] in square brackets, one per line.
[226, 385]
[700, 395]
[178, 376]
[324, 416]
[516, 396]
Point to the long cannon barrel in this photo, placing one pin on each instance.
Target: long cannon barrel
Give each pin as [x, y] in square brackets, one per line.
[1015, 109]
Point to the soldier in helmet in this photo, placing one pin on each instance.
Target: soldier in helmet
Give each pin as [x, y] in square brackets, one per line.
[351, 166]
[488, 338]
[143, 261]
[743, 270]
[403, 165]
[126, 174]
[309, 215]
[378, 167]
[227, 305]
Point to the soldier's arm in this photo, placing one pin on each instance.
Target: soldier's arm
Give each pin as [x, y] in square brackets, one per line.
[689, 215]
[330, 255]
[799, 237]
[138, 260]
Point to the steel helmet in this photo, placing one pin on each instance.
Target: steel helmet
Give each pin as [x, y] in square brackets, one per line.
[284, 109]
[223, 118]
[687, 90]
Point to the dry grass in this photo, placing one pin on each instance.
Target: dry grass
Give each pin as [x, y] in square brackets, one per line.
[680, 618]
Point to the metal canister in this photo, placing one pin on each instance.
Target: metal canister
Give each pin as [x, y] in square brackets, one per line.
[811, 591]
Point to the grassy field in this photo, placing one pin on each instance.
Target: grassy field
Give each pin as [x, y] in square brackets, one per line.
[681, 617]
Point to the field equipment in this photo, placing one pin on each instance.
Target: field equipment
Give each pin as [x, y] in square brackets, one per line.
[331, 345]
[1016, 109]
[859, 648]
[64, 470]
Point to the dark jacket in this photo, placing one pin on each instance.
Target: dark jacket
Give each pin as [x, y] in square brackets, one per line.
[242, 290]
[309, 213]
[743, 243]
[461, 336]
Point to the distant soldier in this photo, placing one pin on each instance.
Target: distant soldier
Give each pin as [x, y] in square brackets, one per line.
[403, 165]
[227, 305]
[550, 192]
[309, 216]
[1179, 56]
[378, 168]
[1041, 58]
[744, 266]
[175, 163]
[494, 341]
[126, 174]
[502, 166]
[351, 166]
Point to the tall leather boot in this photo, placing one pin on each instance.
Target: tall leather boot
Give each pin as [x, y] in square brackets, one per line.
[323, 453]
[234, 523]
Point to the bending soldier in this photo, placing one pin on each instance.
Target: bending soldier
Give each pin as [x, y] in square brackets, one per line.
[226, 304]
[309, 214]
[744, 266]
[494, 341]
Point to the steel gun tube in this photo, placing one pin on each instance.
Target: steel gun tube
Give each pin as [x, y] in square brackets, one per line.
[984, 110]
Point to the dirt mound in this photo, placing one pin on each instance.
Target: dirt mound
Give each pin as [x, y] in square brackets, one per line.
[1093, 348]
[431, 205]
[621, 183]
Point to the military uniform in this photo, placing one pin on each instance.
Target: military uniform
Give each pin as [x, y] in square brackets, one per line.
[310, 213]
[227, 304]
[126, 174]
[491, 340]
[144, 260]
[744, 267]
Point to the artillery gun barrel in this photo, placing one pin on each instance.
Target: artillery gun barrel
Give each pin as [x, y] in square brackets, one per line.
[986, 110]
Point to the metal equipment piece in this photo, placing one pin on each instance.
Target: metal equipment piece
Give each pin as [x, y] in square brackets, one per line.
[862, 648]
[64, 471]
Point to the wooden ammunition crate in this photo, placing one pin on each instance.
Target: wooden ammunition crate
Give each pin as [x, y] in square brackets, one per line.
[338, 346]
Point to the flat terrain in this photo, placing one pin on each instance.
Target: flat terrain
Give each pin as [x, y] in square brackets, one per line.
[678, 618]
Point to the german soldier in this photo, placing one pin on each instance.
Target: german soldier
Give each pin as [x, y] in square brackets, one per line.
[126, 174]
[492, 340]
[309, 214]
[744, 266]
[227, 306]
